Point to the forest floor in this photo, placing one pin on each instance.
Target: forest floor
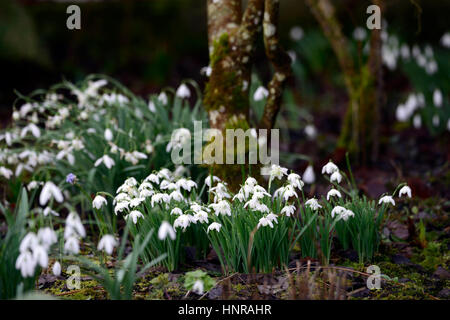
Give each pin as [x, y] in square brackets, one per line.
[414, 256]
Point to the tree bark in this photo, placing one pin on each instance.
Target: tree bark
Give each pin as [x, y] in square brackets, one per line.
[232, 36]
[359, 133]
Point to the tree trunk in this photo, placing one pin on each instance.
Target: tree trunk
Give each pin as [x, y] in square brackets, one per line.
[231, 37]
[359, 133]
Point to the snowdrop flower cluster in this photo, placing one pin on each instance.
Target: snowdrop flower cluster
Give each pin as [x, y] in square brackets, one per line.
[34, 250]
[406, 110]
[260, 94]
[342, 213]
[164, 189]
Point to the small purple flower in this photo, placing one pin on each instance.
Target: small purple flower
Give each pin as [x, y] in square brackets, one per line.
[71, 178]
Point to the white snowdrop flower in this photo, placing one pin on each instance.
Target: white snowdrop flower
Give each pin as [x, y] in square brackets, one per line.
[435, 120]
[288, 210]
[437, 98]
[289, 192]
[260, 94]
[213, 178]
[346, 214]
[387, 199]
[220, 192]
[48, 191]
[262, 208]
[56, 269]
[239, 196]
[167, 185]
[295, 181]
[292, 55]
[445, 40]
[337, 210]
[31, 128]
[359, 33]
[29, 242]
[296, 33]
[134, 215]
[107, 244]
[151, 106]
[7, 173]
[313, 204]
[32, 185]
[259, 194]
[214, 226]
[160, 198]
[222, 207]
[198, 287]
[122, 197]
[404, 52]
[186, 184]
[272, 217]
[164, 172]
[47, 237]
[336, 177]
[310, 131]
[264, 222]
[71, 245]
[153, 178]
[417, 121]
[106, 160]
[329, 168]
[176, 196]
[182, 221]
[74, 226]
[108, 135]
[16, 115]
[402, 113]
[131, 181]
[136, 202]
[176, 211]
[201, 216]
[121, 206]
[26, 263]
[165, 230]
[84, 116]
[48, 211]
[98, 202]
[77, 144]
[40, 256]
[163, 98]
[448, 125]
[405, 190]
[333, 193]
[250, 181]
[431, 67]
[206, 71]
[277, 172]
[309, 175]
[183, 91]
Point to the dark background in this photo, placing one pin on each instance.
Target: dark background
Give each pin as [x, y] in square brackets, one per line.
[150, 44]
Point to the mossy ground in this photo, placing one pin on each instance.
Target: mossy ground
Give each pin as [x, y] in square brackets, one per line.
[415, 276]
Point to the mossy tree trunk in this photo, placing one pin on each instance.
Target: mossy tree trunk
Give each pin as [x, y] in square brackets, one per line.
[232, 33]
[359, 133]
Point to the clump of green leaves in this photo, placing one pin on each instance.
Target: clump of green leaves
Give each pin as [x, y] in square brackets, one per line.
[198, 281]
